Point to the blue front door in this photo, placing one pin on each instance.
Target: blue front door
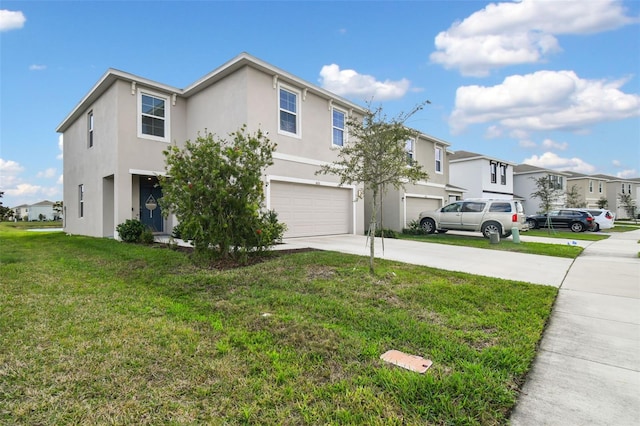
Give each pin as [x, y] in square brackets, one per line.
[150, 212]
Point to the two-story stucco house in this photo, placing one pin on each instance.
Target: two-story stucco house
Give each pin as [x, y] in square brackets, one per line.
[114, 138]
[21, 212]
[481, 176]
[590, 188]
[615, 187]
[400, 207]
[524, 183]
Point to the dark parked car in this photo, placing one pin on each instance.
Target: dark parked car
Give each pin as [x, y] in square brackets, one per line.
[576, 220]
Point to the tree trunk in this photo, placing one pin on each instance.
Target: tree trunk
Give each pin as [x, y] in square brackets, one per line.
[372, 231]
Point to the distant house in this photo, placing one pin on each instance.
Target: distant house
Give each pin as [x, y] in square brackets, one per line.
[482, 176]
[21, 212]
[115, 137]
[400, 207]
[590, 188]
[34, 212]
[615, 187]
[524, 176]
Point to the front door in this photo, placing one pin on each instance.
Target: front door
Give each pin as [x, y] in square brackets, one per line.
[150, 212]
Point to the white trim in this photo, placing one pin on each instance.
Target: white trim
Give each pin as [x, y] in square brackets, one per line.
[287, 179]
[167, 115]
[421, 196]
[298, 113]
[344, 126]
[442, 152]
[301, 160]
[147, 172]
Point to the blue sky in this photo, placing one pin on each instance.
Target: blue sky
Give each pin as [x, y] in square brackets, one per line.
[550, 83]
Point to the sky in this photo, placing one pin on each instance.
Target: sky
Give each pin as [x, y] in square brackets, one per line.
[551, 83]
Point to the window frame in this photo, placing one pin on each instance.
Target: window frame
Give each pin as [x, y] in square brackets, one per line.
[166, 118]
[410, 149]
[334, 127]
[493, 171]
[503, 174]
[81, 200]
[297, 114]
[90, 129]
[438, 164]
[600, 187]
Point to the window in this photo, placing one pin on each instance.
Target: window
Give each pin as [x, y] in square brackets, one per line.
[473, 207]
[556, 181]
[629, 188]
[623, 188]
[503, 174]
[90, 129]
[338, 125]
[80, 200]
[409, 147]
[600, 187]
[289, 112]
[500, 207]
[153, 116]
[438, 159]
[494, 172]
[591, 186]
[452, 208]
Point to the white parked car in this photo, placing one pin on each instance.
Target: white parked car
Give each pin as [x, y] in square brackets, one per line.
[604, 218]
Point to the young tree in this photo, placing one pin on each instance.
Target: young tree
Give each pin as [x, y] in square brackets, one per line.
[215, 189]
[574, 198]
[629, 204]
[5, 212]
[548, 195]
[375, 157]
[602, 203]
[57, 210]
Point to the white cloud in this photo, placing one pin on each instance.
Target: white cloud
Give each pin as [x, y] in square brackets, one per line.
[549, 160]
[627, 174]
[616, 163]
[60, 180]
[60, 147]
[510, 33]
[527, 144]
[544, 100]
[9, 171]
[551, 144]
[11, 20]
[493, 132]
[48, 174]
[24, 189]
[350, 83]
[36, 67]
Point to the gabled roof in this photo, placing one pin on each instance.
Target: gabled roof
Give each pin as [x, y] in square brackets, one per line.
[522, 169]
[616, 179]
[43, 203]
[459, 156]
[240, 61]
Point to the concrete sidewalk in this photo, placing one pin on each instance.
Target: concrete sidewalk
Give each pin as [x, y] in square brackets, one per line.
[587, 371]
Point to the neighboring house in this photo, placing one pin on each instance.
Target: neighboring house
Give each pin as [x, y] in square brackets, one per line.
[41, 211]
[115, 137]
[590, 188]
[524, 176]
[481, 176]
[21, 212]
[618, 186]
[400, 207]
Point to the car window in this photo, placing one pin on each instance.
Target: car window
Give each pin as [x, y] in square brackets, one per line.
[595, 212]
[473, 207]
[500, 207]
[452, 208]
[554, 213]
[519, 207]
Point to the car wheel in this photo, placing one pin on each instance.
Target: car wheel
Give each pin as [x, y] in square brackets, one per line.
[506, 234]
[596, 228]
[532, 224]
[428, 225]
[577, 227]
[490, 228]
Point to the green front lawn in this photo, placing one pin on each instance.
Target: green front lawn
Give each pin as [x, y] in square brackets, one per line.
[93, 331]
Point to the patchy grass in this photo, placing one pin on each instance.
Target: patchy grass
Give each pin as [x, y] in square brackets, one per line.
[32, 225]
[567, 235]
[557, 250]
[93, 331]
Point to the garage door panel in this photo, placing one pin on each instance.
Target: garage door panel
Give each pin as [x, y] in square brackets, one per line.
[311, 209]
[417, 205]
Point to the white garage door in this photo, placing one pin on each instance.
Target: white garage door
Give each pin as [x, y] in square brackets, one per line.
[417, 205]
[310, 210]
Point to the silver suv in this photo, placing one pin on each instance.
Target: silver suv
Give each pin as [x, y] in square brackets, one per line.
[477, 215]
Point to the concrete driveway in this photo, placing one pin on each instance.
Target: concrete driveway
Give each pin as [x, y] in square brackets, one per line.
[587, 370]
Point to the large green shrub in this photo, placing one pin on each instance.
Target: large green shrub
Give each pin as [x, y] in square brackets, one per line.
[131, 231]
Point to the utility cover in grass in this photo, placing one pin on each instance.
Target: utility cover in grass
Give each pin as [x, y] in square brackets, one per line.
[410, 362]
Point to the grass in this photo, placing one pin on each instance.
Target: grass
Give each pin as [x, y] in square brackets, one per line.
[558, 250]
[555, 233]
[93, 331]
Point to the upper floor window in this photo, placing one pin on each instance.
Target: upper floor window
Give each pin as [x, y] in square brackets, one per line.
[494, 173]
[410, 147]
[600, 187]
[289, 112]
[90, 129]
[629, 188]
[503, 174]
[438, 159]
[153, 116]
[590, 186]
[623, 188]
[556, 181]
[80, 200]
[338, 125]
